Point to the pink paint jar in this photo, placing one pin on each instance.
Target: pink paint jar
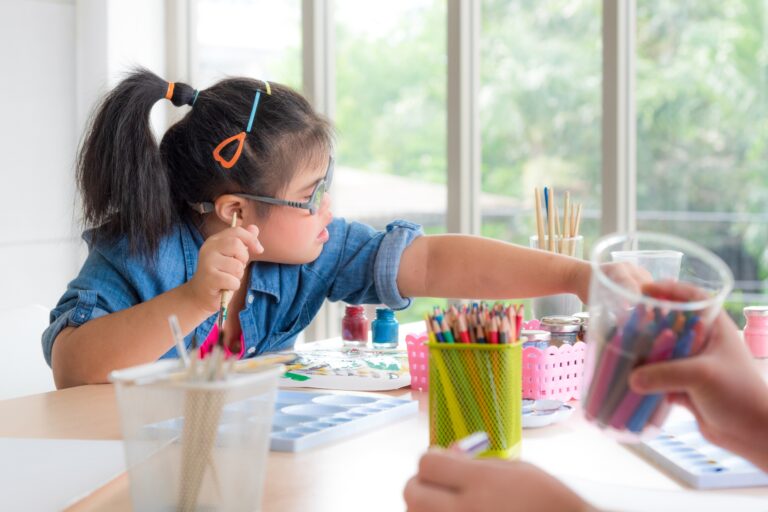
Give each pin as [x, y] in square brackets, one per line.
[756, 330]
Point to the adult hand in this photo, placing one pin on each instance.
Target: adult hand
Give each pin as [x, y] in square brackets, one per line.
[451, 482]
[721, 385]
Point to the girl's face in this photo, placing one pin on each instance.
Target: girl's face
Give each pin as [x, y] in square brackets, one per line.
[293, 235]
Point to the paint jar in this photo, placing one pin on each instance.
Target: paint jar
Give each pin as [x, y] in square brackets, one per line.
[354, 327]
[535, 338]
[564, 330]
[584, 317]
[628, 329]
[384, 329]
[756, 330]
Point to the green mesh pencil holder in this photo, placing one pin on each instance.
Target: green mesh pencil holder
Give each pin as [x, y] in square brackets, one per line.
[476, 387]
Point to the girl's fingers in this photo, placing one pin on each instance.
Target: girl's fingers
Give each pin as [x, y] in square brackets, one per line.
[231, 266]
[674, 291]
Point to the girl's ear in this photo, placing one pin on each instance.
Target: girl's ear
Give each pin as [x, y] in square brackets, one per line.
[227, 205]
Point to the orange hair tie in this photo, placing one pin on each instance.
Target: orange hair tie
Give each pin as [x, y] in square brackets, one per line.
[169, 92]
[227, 164]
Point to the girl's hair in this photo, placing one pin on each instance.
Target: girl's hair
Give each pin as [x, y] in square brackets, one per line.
[131, 187]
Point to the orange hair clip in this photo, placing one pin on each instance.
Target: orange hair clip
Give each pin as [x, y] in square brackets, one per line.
[240, 137]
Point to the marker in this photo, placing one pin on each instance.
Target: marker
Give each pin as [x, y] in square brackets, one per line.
[472, 445]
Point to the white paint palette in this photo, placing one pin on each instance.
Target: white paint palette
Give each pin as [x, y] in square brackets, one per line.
[305, 420]
[683, 451]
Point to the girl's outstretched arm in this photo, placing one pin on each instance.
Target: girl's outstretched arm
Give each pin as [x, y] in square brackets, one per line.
[472, 267]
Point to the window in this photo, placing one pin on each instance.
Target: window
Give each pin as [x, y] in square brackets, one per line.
[254, 38]
[702, 134]
[540, 101]
[391, 115]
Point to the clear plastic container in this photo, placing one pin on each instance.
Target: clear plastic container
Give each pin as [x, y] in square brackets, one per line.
[628, 329]
[195, 445]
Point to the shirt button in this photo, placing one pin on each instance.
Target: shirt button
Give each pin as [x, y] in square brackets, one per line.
[250, 298]
[252, 350]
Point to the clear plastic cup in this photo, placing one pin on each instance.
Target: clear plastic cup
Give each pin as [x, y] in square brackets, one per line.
[195, 445]
[662, 264]
[562, 304]
[628, 329]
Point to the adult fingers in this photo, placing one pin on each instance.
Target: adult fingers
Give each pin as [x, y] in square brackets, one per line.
[445, 469]
[423, 497]
[667, 376]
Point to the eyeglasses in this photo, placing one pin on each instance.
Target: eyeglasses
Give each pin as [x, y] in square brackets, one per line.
[313, 204]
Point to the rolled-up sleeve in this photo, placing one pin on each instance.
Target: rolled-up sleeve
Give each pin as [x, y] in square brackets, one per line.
[369, 261]
[98, 290]
[399, 235]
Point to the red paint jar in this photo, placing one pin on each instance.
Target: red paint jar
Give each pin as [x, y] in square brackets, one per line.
[756, 330]
[354, 326]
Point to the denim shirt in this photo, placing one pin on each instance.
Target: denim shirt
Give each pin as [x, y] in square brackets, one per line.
[357, 265]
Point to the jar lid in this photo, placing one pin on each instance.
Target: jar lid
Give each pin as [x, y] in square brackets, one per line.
[354, 309]
[560, 323]
[535, 335]
[583, 316]
[756, 311]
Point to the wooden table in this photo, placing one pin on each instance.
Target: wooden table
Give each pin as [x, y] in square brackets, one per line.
[367, 472]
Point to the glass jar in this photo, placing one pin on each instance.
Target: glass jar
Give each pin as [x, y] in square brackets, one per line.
[384, 329]
[354, 327]
[584, 317]
[564, 330]
[535, 338]
[756, 330]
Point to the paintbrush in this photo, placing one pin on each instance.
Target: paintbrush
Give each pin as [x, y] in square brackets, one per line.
[226, 296]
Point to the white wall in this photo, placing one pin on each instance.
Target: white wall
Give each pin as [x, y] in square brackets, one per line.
[57, 58]
[38, 235]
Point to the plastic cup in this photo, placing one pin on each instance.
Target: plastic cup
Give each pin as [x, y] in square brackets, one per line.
[662, 264]
[193, 445]
[562, 304]
[628, 329]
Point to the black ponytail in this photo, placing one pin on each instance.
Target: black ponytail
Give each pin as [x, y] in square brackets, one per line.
[132, 188]
[122, 177]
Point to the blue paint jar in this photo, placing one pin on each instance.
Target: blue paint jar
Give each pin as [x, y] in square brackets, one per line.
[384, 329]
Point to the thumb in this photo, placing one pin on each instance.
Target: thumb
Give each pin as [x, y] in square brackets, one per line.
[665, 377]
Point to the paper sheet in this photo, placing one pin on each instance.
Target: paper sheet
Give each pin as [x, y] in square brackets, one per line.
[51, 474]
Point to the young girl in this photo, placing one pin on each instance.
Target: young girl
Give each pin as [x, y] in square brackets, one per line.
[162, 241]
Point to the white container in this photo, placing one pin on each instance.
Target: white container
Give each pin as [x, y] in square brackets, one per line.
[192, 445]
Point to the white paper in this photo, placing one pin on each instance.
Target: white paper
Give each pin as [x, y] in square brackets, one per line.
[51, 474]
[632, 499]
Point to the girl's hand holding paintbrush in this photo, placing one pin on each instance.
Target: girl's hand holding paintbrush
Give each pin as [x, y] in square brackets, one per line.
[224, 258]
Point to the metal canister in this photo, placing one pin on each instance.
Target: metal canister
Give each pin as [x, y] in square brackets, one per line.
[535, 338]
[584, 317]
[562, 329]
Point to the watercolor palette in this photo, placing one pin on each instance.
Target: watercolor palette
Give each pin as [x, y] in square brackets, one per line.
[683, 451]
[304, 420]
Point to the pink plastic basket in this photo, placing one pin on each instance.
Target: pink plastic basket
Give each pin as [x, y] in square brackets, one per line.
[554, 373]
[418, 361]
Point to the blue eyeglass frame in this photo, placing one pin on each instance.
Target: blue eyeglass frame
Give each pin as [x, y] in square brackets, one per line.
[313, 205]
